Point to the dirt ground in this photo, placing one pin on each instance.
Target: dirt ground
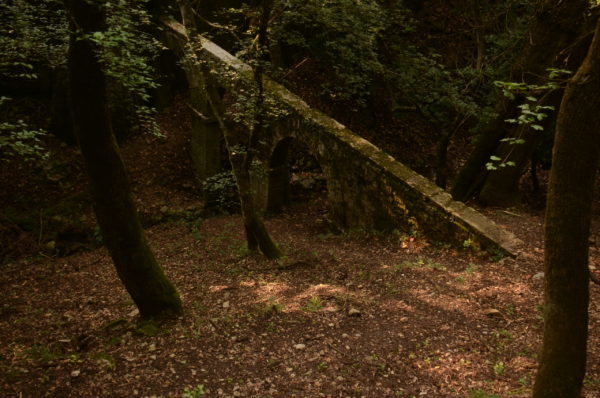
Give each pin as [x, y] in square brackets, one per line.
[352, 315]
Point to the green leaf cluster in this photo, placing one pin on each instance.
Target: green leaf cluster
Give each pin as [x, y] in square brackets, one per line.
[358, 49]
[532, 112]
[126, 52]
[32, 33]
[17, 138]
[34, 39]
[195, 392]
[342, 36]
[221, 192]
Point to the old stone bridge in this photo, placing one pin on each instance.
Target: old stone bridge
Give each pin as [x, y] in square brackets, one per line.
[367, 188]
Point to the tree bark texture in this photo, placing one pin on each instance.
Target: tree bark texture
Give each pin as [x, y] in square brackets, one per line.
[500, 187]
[575, 162]
[117, 217]
[257, 235]
[556, 26]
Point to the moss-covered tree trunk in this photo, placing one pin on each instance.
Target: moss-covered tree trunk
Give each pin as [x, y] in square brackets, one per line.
[257, 235]
[556, 26]
[241, 147]
[123, 235]
[575, 162]
[256, 231]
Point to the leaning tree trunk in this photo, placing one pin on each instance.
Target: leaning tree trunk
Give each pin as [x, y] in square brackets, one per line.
[557, 25]
[256, 231]
[257, 235]
[575, 161]
[136, 266]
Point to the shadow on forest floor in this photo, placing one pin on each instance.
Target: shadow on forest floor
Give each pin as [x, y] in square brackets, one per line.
[351, 315]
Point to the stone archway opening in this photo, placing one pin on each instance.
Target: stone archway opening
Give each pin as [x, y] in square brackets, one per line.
[294, 175]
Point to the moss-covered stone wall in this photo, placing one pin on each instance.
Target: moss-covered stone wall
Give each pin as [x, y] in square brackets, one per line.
[367, 188]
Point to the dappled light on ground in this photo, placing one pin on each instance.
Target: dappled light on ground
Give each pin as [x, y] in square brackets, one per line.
[350, 315]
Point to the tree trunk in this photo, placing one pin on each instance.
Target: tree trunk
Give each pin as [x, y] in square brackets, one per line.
[257, 235]
[556, 26]
[256, 232]
[575, 161]
[501, 186]
[136, 266]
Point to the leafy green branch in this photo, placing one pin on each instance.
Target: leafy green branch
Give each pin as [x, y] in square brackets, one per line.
[532, 112]
[126, 50]
[17, 138]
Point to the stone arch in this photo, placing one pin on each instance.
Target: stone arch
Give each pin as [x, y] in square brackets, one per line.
[284, 135]
[353, 191]
[366, 187]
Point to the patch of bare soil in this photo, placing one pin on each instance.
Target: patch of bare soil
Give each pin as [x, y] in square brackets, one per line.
[351, 315]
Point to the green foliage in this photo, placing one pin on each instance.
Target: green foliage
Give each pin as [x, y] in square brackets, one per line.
[342, 36]
[495, 254]
[470, 270]
[105, 359]
[245, 102]
[425, 83]
[126, 52]
[532, 112]
[31, 34]
[42, 353]
[221, 192]
[272, 306]
[195, 392]
[358, 49]
[17, 138]
[368, 46]
[148, 328]
[314, 304]
[502, 27]
[506, 24]
[499, 368]
[34, 40]
[419, 263]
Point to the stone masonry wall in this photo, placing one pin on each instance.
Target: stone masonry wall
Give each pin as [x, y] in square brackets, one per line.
[367, 188]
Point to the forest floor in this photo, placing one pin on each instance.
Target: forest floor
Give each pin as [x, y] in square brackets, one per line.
[351, 315]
